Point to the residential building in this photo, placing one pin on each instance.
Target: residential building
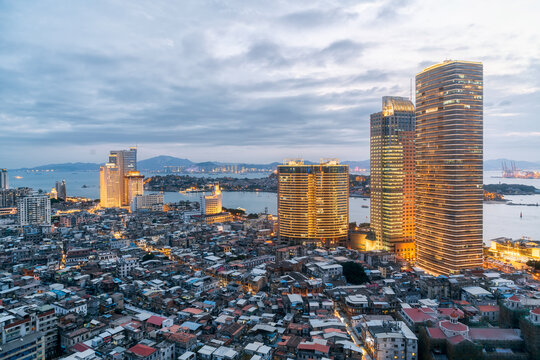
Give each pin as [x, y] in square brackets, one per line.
[313, 202]
[388, 340]
[392, 176]
[449, 155]
[34, 210]
[152, 202]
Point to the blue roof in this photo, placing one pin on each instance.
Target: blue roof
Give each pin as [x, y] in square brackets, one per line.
[208, 302]
[190, 325]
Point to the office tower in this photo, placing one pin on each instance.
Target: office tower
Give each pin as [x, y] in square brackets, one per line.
[448, 192]
[4, 179]
[61, 189]
[212, 204]
[126, 160]
[120, 181]
[110, 179]
[313, 202]
[133, 186]
[392, 176]
[34, 210]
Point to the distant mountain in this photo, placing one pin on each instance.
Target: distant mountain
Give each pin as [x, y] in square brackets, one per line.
[78, 166]
[158, 162]
[364, 164]
[492, 165]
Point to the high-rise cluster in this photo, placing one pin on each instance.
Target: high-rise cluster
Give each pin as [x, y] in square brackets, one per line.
[313, 202]
[442, 171]
[392, 176]
[120, 181]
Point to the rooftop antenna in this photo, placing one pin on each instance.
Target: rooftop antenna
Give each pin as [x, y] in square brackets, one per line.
[410, 90]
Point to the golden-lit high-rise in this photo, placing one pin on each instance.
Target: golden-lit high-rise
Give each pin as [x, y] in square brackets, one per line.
[449, 143]
[392, 176]
[313, 202]
[212, 204]
[120, 181]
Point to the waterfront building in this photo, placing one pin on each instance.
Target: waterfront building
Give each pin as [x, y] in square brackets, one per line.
[213, 204]
[448, 189]
[110, 179]
[4, 179]
[120, 181]
[392, 176]
[34, 210]
[152, 202]
[61, 189]
[133, 186]
[313, 202]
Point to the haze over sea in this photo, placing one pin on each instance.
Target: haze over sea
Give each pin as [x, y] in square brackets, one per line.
[499, 219]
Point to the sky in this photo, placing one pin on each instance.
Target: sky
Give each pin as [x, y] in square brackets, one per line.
[248, 81]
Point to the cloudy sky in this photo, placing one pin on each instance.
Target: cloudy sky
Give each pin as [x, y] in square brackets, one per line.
[252, 81]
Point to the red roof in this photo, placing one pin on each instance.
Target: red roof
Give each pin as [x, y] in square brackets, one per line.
[417, 315]
[456, 339]
[453, 327]
[449, 311]
[193, 311]
[314, 347]
[155, 320]
[488, 308]
[142, 350]
[80, 347]
[436, 333]
[514, 298]
[536, 311]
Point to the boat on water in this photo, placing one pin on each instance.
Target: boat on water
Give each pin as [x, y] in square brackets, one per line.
[365, 206]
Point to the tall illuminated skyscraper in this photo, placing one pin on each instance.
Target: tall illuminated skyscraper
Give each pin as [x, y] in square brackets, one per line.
[4, 179]
[449, 143]
[392, 176]
[313, 202]
[120, 181]
[110, 179]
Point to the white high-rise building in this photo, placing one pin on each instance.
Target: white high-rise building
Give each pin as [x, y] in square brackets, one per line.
[212, 204]
[34, 210]
[4, 179]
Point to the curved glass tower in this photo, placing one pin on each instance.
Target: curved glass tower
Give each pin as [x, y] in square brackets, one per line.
[448, 191]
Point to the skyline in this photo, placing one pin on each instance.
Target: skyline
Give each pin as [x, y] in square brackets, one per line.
[295, 80]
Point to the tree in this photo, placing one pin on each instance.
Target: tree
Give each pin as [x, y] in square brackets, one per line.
[148, 256]
[354, 273]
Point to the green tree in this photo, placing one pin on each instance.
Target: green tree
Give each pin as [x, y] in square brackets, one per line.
[354, 273]
[148, 256]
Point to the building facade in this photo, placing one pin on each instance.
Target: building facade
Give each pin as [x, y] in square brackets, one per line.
[120, 181]
[213, 204]
[392, 176]
[449, 155]
[4, 179]
[61, 192]
[34, 210]
[313, 202]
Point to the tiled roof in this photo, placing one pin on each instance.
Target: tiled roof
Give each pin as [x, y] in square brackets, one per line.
[142, 350]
